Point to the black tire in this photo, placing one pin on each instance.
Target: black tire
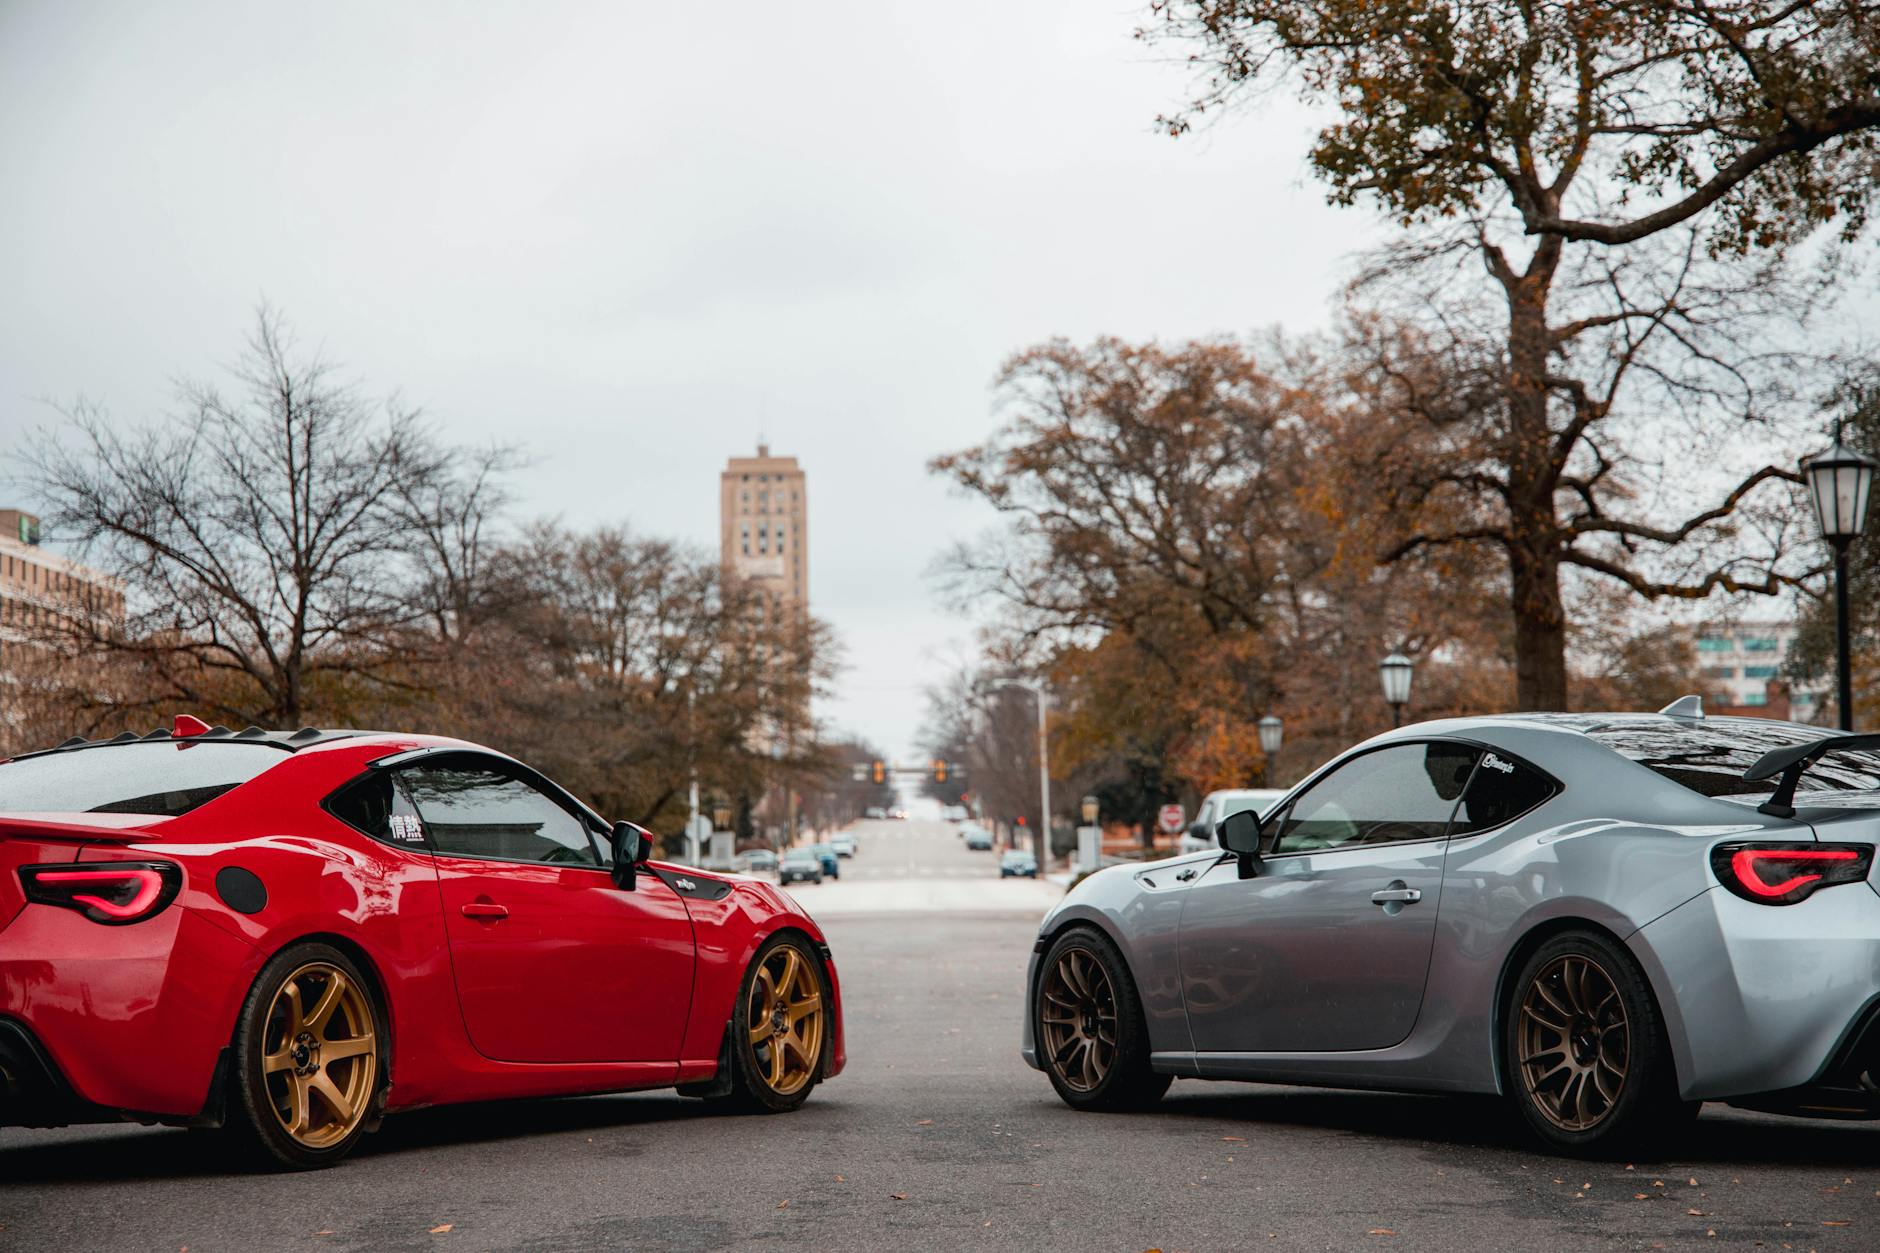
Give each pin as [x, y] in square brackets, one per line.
[753, 1086]
[254, 1119]
[1091, 1037]
[1606, 1086]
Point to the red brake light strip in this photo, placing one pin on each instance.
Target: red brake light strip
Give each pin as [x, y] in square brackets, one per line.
[1743, 863]
[149, 887]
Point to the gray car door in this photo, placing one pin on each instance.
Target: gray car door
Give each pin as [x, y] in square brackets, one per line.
[1328, 948]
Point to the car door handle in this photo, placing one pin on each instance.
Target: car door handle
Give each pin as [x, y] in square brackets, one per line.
[485, 909]
[1396, 896]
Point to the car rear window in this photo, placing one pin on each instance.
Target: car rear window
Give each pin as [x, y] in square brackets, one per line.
[1710, 758]
[160, 779]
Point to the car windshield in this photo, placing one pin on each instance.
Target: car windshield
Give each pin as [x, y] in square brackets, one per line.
[161, 779]
[1710, 757]
[799, 854]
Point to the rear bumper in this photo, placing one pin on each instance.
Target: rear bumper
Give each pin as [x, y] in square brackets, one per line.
[1762, 1000]
[128, 1020]
[33, 1091]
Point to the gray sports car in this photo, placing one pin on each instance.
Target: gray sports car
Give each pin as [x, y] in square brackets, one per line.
[1608, 919]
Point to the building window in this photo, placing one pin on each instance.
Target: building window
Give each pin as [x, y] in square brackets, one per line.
[1712, 644]
[1755, 698]
[1760, 646]
[1759, 672]
[1720, 672]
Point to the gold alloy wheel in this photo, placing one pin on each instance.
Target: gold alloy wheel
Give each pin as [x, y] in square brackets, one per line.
[1575, 1042]
[786, 1020]
[320, 1055]
[1078, 1020]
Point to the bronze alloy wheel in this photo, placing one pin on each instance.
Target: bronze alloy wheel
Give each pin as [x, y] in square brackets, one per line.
[786, 1018]
[1574, 1041]
[1078, 1018]
[320, 1055]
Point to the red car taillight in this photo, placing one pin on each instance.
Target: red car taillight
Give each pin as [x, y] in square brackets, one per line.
[111, 893]
[1783, 874]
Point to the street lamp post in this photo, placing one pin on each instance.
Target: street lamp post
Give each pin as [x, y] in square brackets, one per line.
[1839, 480]
[1395, 671]
[1272, 735]
[1042, 838]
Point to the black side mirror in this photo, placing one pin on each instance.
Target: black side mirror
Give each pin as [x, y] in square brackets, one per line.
[1239, 833]
[632, 846]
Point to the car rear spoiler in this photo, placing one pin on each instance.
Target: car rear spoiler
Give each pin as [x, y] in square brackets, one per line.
[72, 828]
[1793, 762]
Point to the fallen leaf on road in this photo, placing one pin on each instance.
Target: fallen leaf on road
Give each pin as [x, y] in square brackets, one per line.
[899, 1196]
[784, 1204]
[840, 1179]
[328, 1232]
[1695, 1213]
[925, 1122]
[1233, 1139]
[1835, 1222]
[1380, 1231]
[441, 1228]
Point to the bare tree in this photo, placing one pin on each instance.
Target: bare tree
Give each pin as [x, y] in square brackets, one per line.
[261, 536]
[625, 664]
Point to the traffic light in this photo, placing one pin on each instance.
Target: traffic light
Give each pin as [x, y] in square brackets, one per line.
[881, 772]
[939, 770]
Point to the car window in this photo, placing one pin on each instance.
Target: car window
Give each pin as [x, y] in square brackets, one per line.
[1404, 792]
[158, 779]
[375, 805]
[1502, 790]
[480, 811]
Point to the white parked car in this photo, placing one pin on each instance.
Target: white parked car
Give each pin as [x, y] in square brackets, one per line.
[1217, 805]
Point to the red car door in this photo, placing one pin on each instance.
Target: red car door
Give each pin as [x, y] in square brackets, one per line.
[553, 963]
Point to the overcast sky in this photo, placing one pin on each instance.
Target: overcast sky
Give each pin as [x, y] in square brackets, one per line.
[634, 236]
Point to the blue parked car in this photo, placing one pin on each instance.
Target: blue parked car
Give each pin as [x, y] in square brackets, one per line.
[826, 854]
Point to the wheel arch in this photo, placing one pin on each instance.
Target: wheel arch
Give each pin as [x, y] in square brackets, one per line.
[375, 979]
[1089, 921]
[1524, 948]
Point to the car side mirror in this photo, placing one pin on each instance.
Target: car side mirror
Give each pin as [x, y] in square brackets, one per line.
[632, 846]
[1239, 833]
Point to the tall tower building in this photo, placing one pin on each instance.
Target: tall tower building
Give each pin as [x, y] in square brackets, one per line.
[764, 518]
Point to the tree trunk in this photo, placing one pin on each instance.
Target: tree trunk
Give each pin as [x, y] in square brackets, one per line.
[1540, 631]
[1534, 540]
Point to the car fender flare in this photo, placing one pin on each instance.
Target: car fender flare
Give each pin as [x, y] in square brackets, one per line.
[1550, 922]
[380, 989]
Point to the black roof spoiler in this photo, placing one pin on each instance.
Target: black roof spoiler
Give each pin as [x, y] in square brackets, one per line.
[1793, 762]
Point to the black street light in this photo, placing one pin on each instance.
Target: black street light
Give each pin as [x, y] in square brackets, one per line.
[1396, 671]
[1272, 735]
[1839, 480]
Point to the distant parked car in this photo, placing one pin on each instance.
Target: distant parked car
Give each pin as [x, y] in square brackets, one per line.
[758, 861]
[800, 864]
[1215, 808]
[827, 855]
[1018, 864]
[843, 843]
[954, 813]
[874, 811]
[979, 839]
[899, 815]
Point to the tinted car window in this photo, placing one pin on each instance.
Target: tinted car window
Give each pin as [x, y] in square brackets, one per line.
[160, 779]
[1405, 792]
[1502, 790]
[472, 811]
[377, 807]
[1710, 757]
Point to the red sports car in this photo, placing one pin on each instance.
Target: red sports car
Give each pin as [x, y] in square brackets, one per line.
[294, 935]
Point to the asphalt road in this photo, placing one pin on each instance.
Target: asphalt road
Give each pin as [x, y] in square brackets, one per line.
[939, 1137]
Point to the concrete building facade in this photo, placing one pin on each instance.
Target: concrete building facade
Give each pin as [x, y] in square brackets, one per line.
[764, 527]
